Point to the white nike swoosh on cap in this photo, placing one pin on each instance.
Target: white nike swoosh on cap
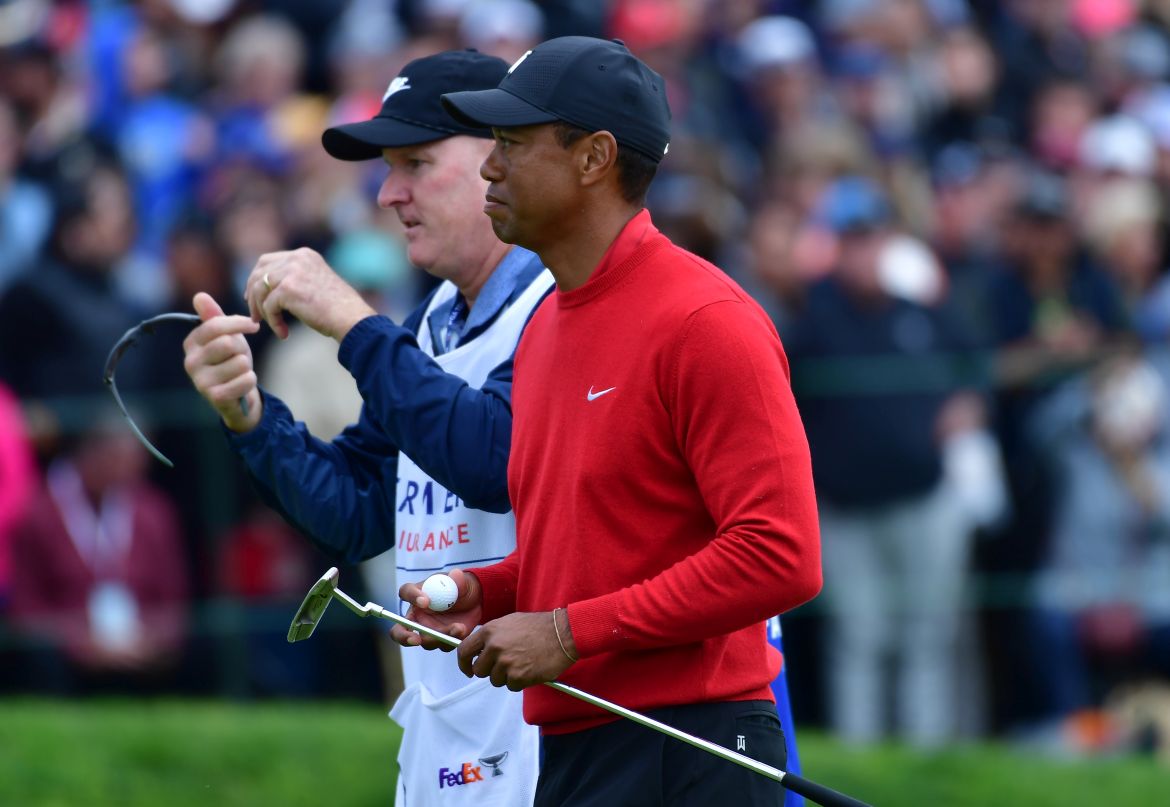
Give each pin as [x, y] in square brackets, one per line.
[399, 84]
[591, 395]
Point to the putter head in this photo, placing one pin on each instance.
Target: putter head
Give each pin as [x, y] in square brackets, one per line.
[313, 606]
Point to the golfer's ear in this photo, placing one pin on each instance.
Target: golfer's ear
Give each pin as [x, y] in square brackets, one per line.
[598, 155]
[206, 306]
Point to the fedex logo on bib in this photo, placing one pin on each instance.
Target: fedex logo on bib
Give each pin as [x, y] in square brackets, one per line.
[471, 773]
[460, 776]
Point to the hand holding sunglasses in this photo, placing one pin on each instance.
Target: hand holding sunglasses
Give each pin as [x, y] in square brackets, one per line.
[128, 340]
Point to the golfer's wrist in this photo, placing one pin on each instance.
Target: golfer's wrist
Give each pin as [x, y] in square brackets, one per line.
[564, 633]
[474, 593]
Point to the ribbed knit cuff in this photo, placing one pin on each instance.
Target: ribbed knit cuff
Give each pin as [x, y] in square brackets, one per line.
[498, 587]
[595, 624]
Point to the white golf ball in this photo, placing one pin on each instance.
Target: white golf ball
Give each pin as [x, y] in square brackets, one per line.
[442, 591]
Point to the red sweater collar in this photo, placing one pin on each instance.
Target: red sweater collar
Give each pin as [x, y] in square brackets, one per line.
[631, 245]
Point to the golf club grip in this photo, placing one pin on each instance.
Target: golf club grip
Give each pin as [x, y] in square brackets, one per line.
[825, 796]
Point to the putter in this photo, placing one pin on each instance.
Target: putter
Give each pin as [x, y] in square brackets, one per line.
[324, 590]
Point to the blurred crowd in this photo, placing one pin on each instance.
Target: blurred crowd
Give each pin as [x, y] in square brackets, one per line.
[954, 211]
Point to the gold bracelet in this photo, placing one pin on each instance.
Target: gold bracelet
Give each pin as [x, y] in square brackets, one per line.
[557, 628]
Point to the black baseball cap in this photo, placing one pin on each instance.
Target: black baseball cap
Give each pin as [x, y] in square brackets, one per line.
[411, 112]
[592, 83]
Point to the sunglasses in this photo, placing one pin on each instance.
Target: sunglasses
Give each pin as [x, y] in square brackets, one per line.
[127, 341]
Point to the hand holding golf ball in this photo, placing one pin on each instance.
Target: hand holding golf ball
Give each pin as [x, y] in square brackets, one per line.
[441, 590]
[450, 603]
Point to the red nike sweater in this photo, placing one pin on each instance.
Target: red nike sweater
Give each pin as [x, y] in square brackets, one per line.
[661, 482]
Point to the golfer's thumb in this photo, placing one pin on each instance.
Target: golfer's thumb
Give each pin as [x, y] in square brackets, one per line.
[206, 306]
[466, 584]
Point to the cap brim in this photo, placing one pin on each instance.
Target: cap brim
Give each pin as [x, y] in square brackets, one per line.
[493, 108]
[365, 140]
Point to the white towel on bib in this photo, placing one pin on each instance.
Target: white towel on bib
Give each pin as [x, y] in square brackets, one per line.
[468, 748]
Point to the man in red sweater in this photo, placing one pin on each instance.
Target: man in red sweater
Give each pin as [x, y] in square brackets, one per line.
[659, 472]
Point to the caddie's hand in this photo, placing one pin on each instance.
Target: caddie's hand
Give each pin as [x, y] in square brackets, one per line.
[301, 283]
[519, 650]
[458, 620]
[219, 362]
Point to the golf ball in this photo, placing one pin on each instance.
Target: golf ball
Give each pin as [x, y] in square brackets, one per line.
[442, 591]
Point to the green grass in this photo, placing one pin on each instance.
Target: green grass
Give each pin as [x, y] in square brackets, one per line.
[971, 776]
[195, 753]
[208, 752]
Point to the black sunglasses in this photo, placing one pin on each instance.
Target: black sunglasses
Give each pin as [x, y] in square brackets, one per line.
[119, 350]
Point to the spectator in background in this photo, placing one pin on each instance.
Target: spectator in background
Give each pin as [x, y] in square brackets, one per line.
[1152, 108]
[98, 580]
[808, 159]
[250, 219]
[165, 143]
[965, 109]
[1037, 44]
[904, 33]
[1053, 304]
[1102, 607]
[779, 78]
[1114, 147]
[503, 28]
[1124, 227]
[1134, 62]
[26, 210]
[878, 99]
[668, 36]
[18, 479]
[1055, 311]
[776, 275]
[965, 227]
[329, 198]
[879, 381]
[259, 69]
[71, 302]
[50, 106]
[363, 46]
[1062, 112]
[874, 99]
[697, 212]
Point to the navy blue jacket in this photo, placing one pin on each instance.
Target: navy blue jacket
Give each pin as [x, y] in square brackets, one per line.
[341, 494]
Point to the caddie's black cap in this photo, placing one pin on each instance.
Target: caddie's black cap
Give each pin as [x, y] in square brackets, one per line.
[411, 112]
[591, 83]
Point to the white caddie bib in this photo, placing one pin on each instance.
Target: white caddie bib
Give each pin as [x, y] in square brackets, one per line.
[443, 715]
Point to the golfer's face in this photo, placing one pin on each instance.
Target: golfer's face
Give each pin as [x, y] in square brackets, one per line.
[531, 182]
[436, 190]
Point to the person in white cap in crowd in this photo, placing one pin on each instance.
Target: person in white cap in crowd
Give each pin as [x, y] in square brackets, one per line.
[504, 28]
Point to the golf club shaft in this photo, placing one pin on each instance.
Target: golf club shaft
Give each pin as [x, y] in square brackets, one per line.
[811, 790]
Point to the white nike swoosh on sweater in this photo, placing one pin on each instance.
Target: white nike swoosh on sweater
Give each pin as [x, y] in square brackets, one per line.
[592, 396]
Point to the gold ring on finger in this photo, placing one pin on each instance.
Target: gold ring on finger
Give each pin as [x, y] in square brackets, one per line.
[267, 285]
